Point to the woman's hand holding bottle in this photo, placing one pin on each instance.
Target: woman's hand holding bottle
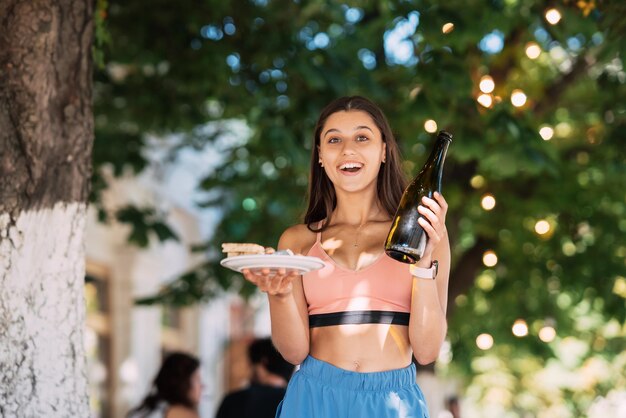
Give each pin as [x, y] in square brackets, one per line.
[433, 220]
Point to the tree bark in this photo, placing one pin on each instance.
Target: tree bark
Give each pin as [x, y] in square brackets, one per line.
[46, 136]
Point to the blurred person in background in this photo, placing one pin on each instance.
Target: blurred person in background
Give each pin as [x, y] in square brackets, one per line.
[453, 405]
[175, 392]
[270, 375]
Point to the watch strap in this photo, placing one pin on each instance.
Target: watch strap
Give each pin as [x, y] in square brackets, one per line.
[425, 273]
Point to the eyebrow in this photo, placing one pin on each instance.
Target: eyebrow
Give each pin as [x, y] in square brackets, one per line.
[355, 129]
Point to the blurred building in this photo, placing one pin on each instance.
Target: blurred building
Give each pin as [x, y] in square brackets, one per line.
[125, 342]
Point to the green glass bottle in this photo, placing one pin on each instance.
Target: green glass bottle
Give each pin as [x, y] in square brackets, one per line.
[407, 239]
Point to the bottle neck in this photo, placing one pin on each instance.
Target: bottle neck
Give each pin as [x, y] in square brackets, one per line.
[434, 165]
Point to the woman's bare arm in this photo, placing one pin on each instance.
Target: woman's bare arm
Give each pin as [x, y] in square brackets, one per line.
[428, 325]
[288, 308]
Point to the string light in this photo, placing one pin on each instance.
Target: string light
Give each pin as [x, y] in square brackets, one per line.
[546, 132]
[430, 126]
[547, 334]
[533, 50]
[447, 28]
[518, 98]
[485, 100]
[484, 341]
[488, 202]
[520, 328]
[490, 258]
[542, 227]
[553, 16]
[486, 84]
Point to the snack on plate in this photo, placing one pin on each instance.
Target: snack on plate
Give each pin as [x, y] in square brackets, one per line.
[234, 249]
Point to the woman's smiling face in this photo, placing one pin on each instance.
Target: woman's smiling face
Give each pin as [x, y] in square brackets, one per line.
[351, 149]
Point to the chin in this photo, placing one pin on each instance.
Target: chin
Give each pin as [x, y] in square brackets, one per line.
[355, 188]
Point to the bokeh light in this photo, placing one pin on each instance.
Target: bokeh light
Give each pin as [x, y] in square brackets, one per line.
[563, 129]
[249, 204]
[477, 181]
[568, 248]
[485, 100]
[488, 202]
[490, 258]
[547, 334]
[447, 28]
[430, 126]
[484, 341]
[542, 227]
[546, 132]
[533, 50]
[492, 43]
[520, 328]
[553, 16]
[518, 98]
[486, 84]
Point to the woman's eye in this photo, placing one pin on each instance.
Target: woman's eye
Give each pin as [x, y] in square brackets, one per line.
[333, 140]
[362, 138]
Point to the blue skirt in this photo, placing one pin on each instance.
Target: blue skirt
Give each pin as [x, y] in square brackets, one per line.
[320, 390]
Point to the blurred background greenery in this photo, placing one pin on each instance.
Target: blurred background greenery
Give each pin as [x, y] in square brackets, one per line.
[534, 93]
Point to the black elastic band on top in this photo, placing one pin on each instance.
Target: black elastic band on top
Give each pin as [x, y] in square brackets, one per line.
[359, 317]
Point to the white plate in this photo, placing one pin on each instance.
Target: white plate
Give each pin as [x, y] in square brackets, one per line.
[301, 263]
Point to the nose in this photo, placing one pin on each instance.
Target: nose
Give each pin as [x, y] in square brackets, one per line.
[348, 148]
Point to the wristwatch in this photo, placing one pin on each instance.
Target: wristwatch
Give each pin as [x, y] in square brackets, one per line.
[427, 274]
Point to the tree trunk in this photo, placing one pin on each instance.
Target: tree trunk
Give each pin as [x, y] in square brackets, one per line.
[46, 135]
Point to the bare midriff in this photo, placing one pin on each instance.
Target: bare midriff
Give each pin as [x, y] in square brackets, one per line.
[362, 347]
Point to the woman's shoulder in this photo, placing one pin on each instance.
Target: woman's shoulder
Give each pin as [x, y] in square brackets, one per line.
[298, 238]
[179, 411]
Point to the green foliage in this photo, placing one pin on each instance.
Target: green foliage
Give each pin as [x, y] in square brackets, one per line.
[174, 66]
[143, 222]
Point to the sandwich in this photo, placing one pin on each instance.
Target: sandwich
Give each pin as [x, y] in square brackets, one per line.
[234, 249]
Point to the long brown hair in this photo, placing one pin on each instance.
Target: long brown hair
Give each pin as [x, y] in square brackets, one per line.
[171, 384]
[391, 181]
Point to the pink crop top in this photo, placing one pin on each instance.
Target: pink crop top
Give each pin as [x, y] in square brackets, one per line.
[378, 293]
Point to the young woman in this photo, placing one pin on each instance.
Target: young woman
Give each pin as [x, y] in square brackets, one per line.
[175, 391]
[353, 325]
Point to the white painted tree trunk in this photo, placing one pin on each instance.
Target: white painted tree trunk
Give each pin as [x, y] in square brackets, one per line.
[42, 270]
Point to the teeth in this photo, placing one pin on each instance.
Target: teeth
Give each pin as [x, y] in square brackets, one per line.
[350, 165]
